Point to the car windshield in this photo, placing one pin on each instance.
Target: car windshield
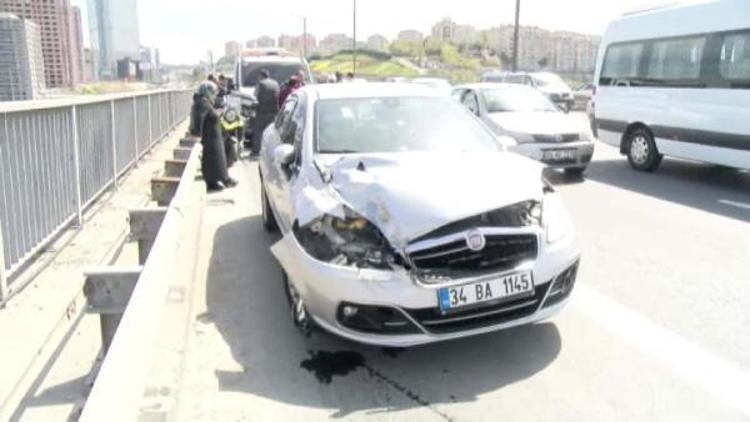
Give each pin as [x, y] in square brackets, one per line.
[501, 100]
[398, 124]
[547, 79]
[280, 72]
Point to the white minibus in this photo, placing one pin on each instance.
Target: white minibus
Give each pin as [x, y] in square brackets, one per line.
[675, 81]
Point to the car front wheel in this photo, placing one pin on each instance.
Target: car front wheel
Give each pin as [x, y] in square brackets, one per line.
[269, 220]
[642, 152]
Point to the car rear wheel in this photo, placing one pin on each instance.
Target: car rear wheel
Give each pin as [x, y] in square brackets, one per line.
[642, 152]
[269, 220]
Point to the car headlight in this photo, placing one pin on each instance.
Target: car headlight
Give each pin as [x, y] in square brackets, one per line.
[350, 242]
[230, 115]
[555, 219]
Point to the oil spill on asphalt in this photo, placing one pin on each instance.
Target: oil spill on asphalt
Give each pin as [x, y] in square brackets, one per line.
[326, 365]
[393, 351]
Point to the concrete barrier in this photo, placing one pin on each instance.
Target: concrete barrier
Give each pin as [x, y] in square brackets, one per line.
[118, 388]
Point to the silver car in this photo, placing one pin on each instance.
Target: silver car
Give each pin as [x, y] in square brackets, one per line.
[404, 221]
[539, 129]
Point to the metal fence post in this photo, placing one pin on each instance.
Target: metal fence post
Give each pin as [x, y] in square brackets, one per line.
[135, 127]
[114, 144]
[77, 163]
[150, 130]
[3, 279]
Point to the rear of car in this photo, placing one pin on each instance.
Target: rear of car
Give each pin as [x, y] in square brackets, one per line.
[550, 84]
[280, 64]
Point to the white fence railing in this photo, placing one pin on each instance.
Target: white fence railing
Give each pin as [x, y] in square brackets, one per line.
[57, 157]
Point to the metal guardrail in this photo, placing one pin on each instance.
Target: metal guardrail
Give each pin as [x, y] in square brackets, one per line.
[131, 301]
[58, 157]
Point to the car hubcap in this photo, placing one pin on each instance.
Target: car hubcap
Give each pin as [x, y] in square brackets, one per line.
[639, 150]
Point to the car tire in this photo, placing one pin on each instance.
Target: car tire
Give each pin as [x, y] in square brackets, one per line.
[575, 172]
[641, 150]
[297, 310]
[269, 220]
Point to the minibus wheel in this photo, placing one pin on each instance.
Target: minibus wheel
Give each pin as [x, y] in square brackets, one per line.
[642, 152]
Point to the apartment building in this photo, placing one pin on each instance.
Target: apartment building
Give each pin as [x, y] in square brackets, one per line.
[21, 59]
[61, 51]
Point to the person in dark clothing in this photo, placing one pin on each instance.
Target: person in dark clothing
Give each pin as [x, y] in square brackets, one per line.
[295, 82]
[213, 159]
[267, 94]
[198, 112]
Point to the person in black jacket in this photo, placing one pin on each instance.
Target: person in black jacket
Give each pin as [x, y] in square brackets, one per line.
[213, 159]
[267, 94]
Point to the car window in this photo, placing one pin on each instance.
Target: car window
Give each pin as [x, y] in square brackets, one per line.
[676, 59]
[299, 118]
[515, 79]
[516, 99]
[285, 117]
[734, 63]
[279, 72]
[379, 125]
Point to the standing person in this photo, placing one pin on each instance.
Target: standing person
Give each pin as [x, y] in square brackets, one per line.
[198, 112]
[296, 82]
[213, 159]
[339, 77]
[267, 94]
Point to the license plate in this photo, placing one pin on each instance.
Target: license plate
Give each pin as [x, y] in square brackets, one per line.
[560, 155]
[516, 284]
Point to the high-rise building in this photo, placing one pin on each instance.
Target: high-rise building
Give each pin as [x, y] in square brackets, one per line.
[76, 45]
[54, 20]
[265, 41]
[232, 49]
[333, 43]
[21, 60]
[113, 25]
[89, 66]
[410, 35]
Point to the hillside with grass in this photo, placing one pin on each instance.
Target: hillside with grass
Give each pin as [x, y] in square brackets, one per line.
[369, 65]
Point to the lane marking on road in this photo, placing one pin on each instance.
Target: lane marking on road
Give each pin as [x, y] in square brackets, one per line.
[723, 379]
[735, 204]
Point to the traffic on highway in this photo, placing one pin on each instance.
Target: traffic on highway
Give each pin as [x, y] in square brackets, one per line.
[429, 250]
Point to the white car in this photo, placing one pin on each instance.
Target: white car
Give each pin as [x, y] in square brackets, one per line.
[438, 84]
[404, 221]
[539, 129]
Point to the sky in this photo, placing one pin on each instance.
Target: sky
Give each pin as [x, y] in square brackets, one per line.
[185, 30]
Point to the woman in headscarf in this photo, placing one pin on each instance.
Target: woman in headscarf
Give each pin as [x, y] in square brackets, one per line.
[214, 159]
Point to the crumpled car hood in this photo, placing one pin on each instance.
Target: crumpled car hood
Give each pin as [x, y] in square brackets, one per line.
[537, 123]
[409, 194]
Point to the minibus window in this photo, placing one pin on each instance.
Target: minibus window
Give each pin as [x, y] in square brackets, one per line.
[735, 57]
[676, 59]
[621, 63]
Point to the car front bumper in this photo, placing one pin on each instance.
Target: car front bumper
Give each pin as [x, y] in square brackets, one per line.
[326, 288]
[535, 150]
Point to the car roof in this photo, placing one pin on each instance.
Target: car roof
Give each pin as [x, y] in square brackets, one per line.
[271, 59]
[369, 90]
[493, 85]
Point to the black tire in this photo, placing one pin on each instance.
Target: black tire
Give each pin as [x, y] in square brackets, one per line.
[641, 150]
[269, 220]
[575, 172]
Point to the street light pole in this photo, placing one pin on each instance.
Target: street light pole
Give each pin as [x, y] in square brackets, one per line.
[304, 37]
[354, 64]
[515, 37]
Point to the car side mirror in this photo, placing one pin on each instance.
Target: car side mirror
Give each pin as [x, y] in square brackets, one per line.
[283, 155]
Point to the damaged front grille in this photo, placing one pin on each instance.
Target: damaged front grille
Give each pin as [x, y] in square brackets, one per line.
[455, 259]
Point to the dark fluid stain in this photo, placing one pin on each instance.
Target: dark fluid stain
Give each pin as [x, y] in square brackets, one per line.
[393, 351]
[326, 365]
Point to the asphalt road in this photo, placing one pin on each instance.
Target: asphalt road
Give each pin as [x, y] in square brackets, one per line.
[657, 329]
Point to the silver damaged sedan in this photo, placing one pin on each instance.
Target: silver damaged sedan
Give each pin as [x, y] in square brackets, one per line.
[404, 221]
